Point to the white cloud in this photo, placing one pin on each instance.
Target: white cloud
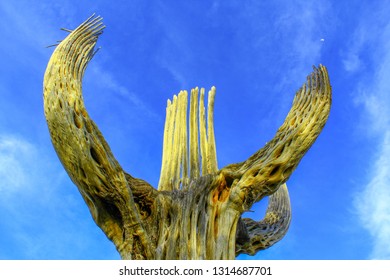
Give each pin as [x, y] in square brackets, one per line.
[26, 170]
[372, 202]
[32, 29]
[16, 163]
[352, 61]
[351, 58]
[42, 213]
[377, 112]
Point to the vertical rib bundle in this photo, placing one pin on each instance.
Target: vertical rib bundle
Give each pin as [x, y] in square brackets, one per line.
[188, 157]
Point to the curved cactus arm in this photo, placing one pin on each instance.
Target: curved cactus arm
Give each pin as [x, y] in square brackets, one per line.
[80, 145]
[263, 173]
[255, 236]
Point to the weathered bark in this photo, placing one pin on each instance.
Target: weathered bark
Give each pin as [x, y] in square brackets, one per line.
[196, 211]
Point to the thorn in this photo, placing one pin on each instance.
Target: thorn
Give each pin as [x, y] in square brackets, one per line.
[66, 29]
[52, 46]
[93, 54]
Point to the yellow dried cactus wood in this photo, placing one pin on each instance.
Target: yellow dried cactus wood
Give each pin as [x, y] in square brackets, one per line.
[196, 211]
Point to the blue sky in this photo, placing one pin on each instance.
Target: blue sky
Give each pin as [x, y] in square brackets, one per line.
[257, 54]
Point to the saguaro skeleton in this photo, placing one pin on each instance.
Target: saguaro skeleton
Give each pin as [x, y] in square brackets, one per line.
[196, 211]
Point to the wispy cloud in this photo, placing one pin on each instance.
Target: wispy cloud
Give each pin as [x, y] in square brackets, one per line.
[351, 59]
[23, 166]
[372, 202]
[23, 186]
[32, 28]
[247, 60]
[13, 175]
[108, 81]
[40, 206]
[306, 23]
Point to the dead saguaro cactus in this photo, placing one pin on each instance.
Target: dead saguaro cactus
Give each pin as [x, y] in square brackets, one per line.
[196, 211]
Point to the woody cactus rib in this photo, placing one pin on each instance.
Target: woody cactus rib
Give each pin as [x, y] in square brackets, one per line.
[196, 211]
[181, 164]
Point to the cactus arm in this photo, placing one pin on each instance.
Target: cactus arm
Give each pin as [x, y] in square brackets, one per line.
[265, 233]
[263, 173]
[80, 145]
